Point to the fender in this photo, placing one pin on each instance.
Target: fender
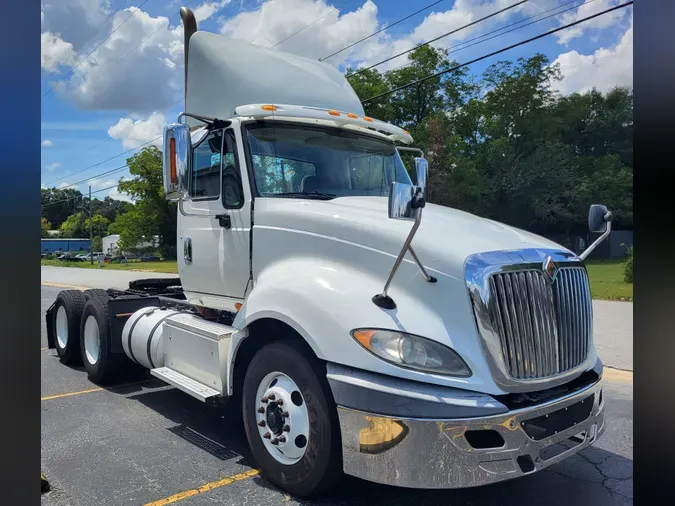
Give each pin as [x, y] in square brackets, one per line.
[324, 300]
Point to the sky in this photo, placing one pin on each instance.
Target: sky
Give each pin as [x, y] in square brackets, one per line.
[112, 70]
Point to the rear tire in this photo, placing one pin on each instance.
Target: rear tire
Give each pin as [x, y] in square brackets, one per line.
[311, 454]
[101, 365]
[95, 292]
[67, 317]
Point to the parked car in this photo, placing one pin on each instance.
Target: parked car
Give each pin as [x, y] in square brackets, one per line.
[150, 258]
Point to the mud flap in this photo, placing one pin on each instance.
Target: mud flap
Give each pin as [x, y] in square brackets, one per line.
[49, 321]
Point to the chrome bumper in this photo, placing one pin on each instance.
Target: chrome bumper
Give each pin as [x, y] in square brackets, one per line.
[427, 453]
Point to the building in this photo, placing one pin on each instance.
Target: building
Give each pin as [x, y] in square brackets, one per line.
[51, 245]
[109, 244]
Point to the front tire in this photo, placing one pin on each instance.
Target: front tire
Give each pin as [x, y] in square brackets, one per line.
[296, 442]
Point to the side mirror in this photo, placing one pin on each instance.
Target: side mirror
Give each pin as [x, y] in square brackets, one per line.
[599, 222]
[405, 201]
[421, 173]
[598, 217]
[176, 156]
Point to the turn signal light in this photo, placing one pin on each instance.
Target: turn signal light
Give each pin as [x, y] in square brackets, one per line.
[172, 154]
[269, 107]
[352, 115]
[333, 113]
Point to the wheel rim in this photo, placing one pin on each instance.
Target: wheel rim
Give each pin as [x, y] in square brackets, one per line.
[61, 327]
[282, 418]
[92, 340]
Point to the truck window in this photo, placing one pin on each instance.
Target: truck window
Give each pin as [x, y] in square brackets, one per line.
[303, 158]
[275, 174]
[205, 177]
[233, 193]
[371, 174]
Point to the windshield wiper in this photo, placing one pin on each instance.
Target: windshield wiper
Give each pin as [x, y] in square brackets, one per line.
[314, 194]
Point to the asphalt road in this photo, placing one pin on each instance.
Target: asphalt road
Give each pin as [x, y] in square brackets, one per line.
[147, 443]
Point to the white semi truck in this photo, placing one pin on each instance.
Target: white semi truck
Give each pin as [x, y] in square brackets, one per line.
[348, 333]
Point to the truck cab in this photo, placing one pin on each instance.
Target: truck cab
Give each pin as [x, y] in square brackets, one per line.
[351, 325]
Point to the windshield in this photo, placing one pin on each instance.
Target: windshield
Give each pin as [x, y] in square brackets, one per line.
[305, 161]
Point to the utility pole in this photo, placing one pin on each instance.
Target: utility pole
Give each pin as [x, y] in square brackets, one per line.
[91, 231]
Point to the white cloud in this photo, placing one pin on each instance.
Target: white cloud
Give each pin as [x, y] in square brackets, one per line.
[604, 69]
[80, 22]
[275, 20]
[47, 143]
[128, 73]
[588, 9]
[137, 69]
[132, 132]
[55, 52]
[117, 195]
[435, 24]
[53, 166]
[65, 184]
[208, 9]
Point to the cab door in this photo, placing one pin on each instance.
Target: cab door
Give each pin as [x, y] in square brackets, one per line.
[215, 224]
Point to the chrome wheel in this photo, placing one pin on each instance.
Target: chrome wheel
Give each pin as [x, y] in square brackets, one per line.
[282, 418]
[61, 327]
[92, 340]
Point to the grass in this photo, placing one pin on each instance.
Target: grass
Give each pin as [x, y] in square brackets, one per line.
[606, 276]
[167, 266]
[607, 280]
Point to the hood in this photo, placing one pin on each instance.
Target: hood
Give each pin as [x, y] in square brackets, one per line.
[445, 238]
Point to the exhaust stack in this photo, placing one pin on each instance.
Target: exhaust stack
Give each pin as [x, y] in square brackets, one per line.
[189, 28]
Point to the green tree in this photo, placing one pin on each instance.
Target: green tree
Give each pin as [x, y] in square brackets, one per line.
[109, 208]
[74, 226]
[152, 215]
[45, 227]
[58, 204]
[99, 223]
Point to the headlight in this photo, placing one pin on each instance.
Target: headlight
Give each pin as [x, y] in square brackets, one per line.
[413, 352]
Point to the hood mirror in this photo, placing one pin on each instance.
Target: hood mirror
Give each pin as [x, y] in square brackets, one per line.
[599, 222]
[406, 203]
[421, 173]
[598, 217]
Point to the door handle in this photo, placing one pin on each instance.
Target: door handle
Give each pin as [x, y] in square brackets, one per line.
[187, 250]
[224, 220]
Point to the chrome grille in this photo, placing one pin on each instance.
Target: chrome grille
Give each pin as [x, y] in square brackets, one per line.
[544, 328]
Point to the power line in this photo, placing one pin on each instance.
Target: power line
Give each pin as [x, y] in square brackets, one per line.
[106, 173]
[78, 197]
[496, 13]
[465, 44]
[92, 51]
[107, 19]
[313, 22]
[382, 29]
[102, 162]
[101, 144]
[512, 46]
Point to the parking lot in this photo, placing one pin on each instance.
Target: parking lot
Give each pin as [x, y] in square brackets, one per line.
[144, 442]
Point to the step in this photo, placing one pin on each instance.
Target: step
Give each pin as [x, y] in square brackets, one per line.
[185, 384]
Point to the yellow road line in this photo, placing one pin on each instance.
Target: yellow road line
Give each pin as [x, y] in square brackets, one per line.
[98, 389]
[619, 375]
[69, 394]
[63, 285]
[44, 349]
[204, 488]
